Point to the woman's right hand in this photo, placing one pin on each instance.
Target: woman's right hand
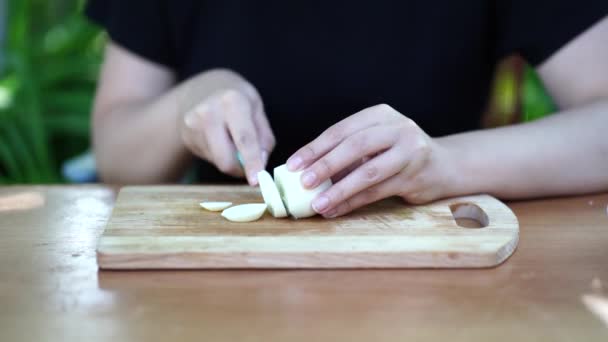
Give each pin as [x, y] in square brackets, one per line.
[223, 114]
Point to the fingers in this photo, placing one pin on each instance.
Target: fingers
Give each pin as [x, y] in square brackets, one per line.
[366, 176]
[372, 194]
[265, 135]
[223, 151]
[192, 135]
[387, 150]
[207, 138]
[362, 143]
[346, 171]
[403, 175]
[234, 124]
[240, 124]
[333, 136]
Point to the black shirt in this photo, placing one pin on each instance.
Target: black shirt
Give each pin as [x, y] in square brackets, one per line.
[317, 62]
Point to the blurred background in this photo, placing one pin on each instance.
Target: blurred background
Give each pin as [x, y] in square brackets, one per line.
[49, 61]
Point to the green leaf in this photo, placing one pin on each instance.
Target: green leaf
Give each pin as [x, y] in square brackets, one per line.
[51, 59]
[18, 25]
[19, 146]
[68, 102]
[10, 84]
[31, 118]
[9, 162]
[69, 38]
[5, 180]
[60, 70]
[68, 124]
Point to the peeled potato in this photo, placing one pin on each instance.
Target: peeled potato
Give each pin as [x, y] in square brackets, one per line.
[245, 212]
[284, 196]
[215, 206]
[271, 195]
[297, 199]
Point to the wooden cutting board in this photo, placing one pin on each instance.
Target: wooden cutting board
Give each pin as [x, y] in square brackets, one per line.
[163, 227]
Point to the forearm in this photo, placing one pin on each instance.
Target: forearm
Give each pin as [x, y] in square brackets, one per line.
[139, 142]
[566, 153]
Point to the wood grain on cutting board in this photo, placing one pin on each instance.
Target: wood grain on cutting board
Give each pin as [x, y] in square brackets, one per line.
[163, 227]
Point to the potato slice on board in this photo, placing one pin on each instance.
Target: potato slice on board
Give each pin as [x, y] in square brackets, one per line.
[245, 212]
[271, 195]
[215, 206]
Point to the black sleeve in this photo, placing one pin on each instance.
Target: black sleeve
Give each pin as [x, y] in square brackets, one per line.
[140, 26]
[537, 29]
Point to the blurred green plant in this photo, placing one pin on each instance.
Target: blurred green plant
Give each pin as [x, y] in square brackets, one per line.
[51, 59]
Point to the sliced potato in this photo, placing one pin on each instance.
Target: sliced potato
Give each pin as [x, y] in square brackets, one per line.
[297, 199]
[245, 212]
[215, 206]
[271, 195]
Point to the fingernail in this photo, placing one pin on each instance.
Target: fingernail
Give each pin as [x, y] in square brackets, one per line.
[253, 178]
[309, 178]
[264, 157]
[294, 163]
[320, 203]
[331, 214]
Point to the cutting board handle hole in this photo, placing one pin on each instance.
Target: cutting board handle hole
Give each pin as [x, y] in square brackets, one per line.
[469, 215]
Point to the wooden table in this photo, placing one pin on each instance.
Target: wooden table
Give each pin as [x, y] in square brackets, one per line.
[51, 290]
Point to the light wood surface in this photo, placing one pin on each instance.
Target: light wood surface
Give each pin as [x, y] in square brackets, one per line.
[163, 227]
[51, 289]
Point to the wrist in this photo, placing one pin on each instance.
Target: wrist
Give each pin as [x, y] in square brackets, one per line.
[457, 166]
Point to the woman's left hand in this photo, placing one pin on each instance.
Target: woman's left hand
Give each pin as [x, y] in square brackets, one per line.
[373, 154]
